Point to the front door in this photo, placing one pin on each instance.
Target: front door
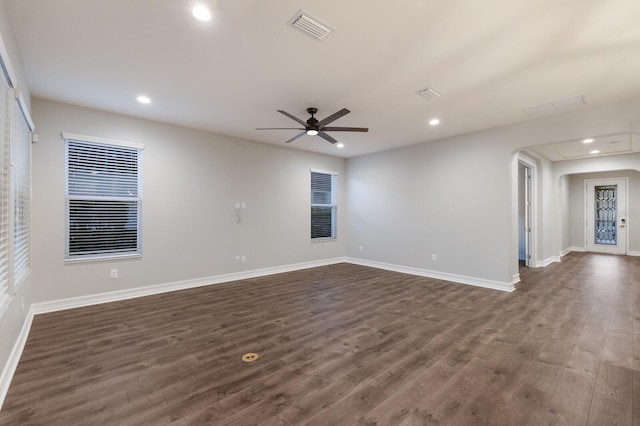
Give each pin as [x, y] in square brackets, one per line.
[606, 215]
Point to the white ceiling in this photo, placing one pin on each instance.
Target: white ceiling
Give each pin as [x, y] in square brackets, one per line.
[489, 60]
[601, 146]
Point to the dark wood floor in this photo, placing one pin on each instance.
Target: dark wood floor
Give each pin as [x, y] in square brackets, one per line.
[345, 345]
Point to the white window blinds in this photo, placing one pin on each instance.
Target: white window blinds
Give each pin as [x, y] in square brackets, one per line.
[323, 204]
[5, 128]
[21, 194]
[104, 199]
[15, 185]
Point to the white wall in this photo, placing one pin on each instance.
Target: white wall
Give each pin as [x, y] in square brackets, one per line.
[13, 318]
[6, 32]
[577, 206]
[548, 215]
[191, 182]
[457, 197]
[446, 199]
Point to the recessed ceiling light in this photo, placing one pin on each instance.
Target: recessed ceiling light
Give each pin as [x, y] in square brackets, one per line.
[143, 99]
[434, 122]
[201, 13]
[312, 132]
[340, 145]
[595, 151]
[588, 140]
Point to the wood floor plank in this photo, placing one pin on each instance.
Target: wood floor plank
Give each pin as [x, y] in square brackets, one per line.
[345, 345]
[612, 401]
[572, 399]
[585, 358]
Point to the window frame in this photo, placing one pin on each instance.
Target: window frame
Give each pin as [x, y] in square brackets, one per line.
[111, 143]
[16, 139]
[333, 205]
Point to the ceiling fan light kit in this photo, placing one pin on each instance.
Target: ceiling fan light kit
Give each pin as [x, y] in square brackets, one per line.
[313, 127]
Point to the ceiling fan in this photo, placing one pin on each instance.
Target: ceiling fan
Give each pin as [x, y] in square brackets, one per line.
[314, 127]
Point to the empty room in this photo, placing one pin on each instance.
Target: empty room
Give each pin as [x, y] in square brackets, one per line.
[248, 212]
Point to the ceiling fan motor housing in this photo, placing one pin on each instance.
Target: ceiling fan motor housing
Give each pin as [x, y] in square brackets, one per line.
[312, 123]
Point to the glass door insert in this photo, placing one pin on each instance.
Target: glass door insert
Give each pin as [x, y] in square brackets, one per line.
[605, 230]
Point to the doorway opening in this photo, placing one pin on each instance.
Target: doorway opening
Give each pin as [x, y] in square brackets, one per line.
[524, 214]
[525, 168]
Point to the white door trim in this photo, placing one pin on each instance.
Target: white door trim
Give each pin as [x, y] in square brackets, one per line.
[531, 164]
[622, 215]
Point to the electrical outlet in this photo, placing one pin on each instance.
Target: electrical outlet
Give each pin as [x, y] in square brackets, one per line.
[361, 248]
[238, 205]
[243, 258]
[114, 273]
[237, 259]
[434, 257]
[244, 205]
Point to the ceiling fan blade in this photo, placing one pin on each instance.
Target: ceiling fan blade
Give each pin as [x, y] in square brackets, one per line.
[325, 136]
[279, 128]
[296, 119]
[345, 129]
[333, 117]
[296, 137]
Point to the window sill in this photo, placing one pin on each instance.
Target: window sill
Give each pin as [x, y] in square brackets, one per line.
[323, 240]
[85, 259]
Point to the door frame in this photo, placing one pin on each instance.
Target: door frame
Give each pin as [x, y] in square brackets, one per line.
[531, 165]
[588, 214]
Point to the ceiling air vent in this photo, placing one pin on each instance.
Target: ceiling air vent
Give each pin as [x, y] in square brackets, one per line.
[429, 93]
[310, 25]
[559, 105]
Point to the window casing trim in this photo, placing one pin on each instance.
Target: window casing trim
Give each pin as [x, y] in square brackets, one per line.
[102, 258]
[325, 172]
[333, 205]
[104, 141]
[69, 198]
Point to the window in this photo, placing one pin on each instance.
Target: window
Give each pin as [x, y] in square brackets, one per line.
[15, 184]
[5, 127]
[21, 195]
[606, 222]
[323, 204]
[103, 198]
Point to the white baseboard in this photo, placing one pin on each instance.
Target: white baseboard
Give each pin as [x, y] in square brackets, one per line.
[584, 250]
[14, 357]
[461, 279]
[568, 250]
[515, 280]
[548, 261]
[114, 296]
